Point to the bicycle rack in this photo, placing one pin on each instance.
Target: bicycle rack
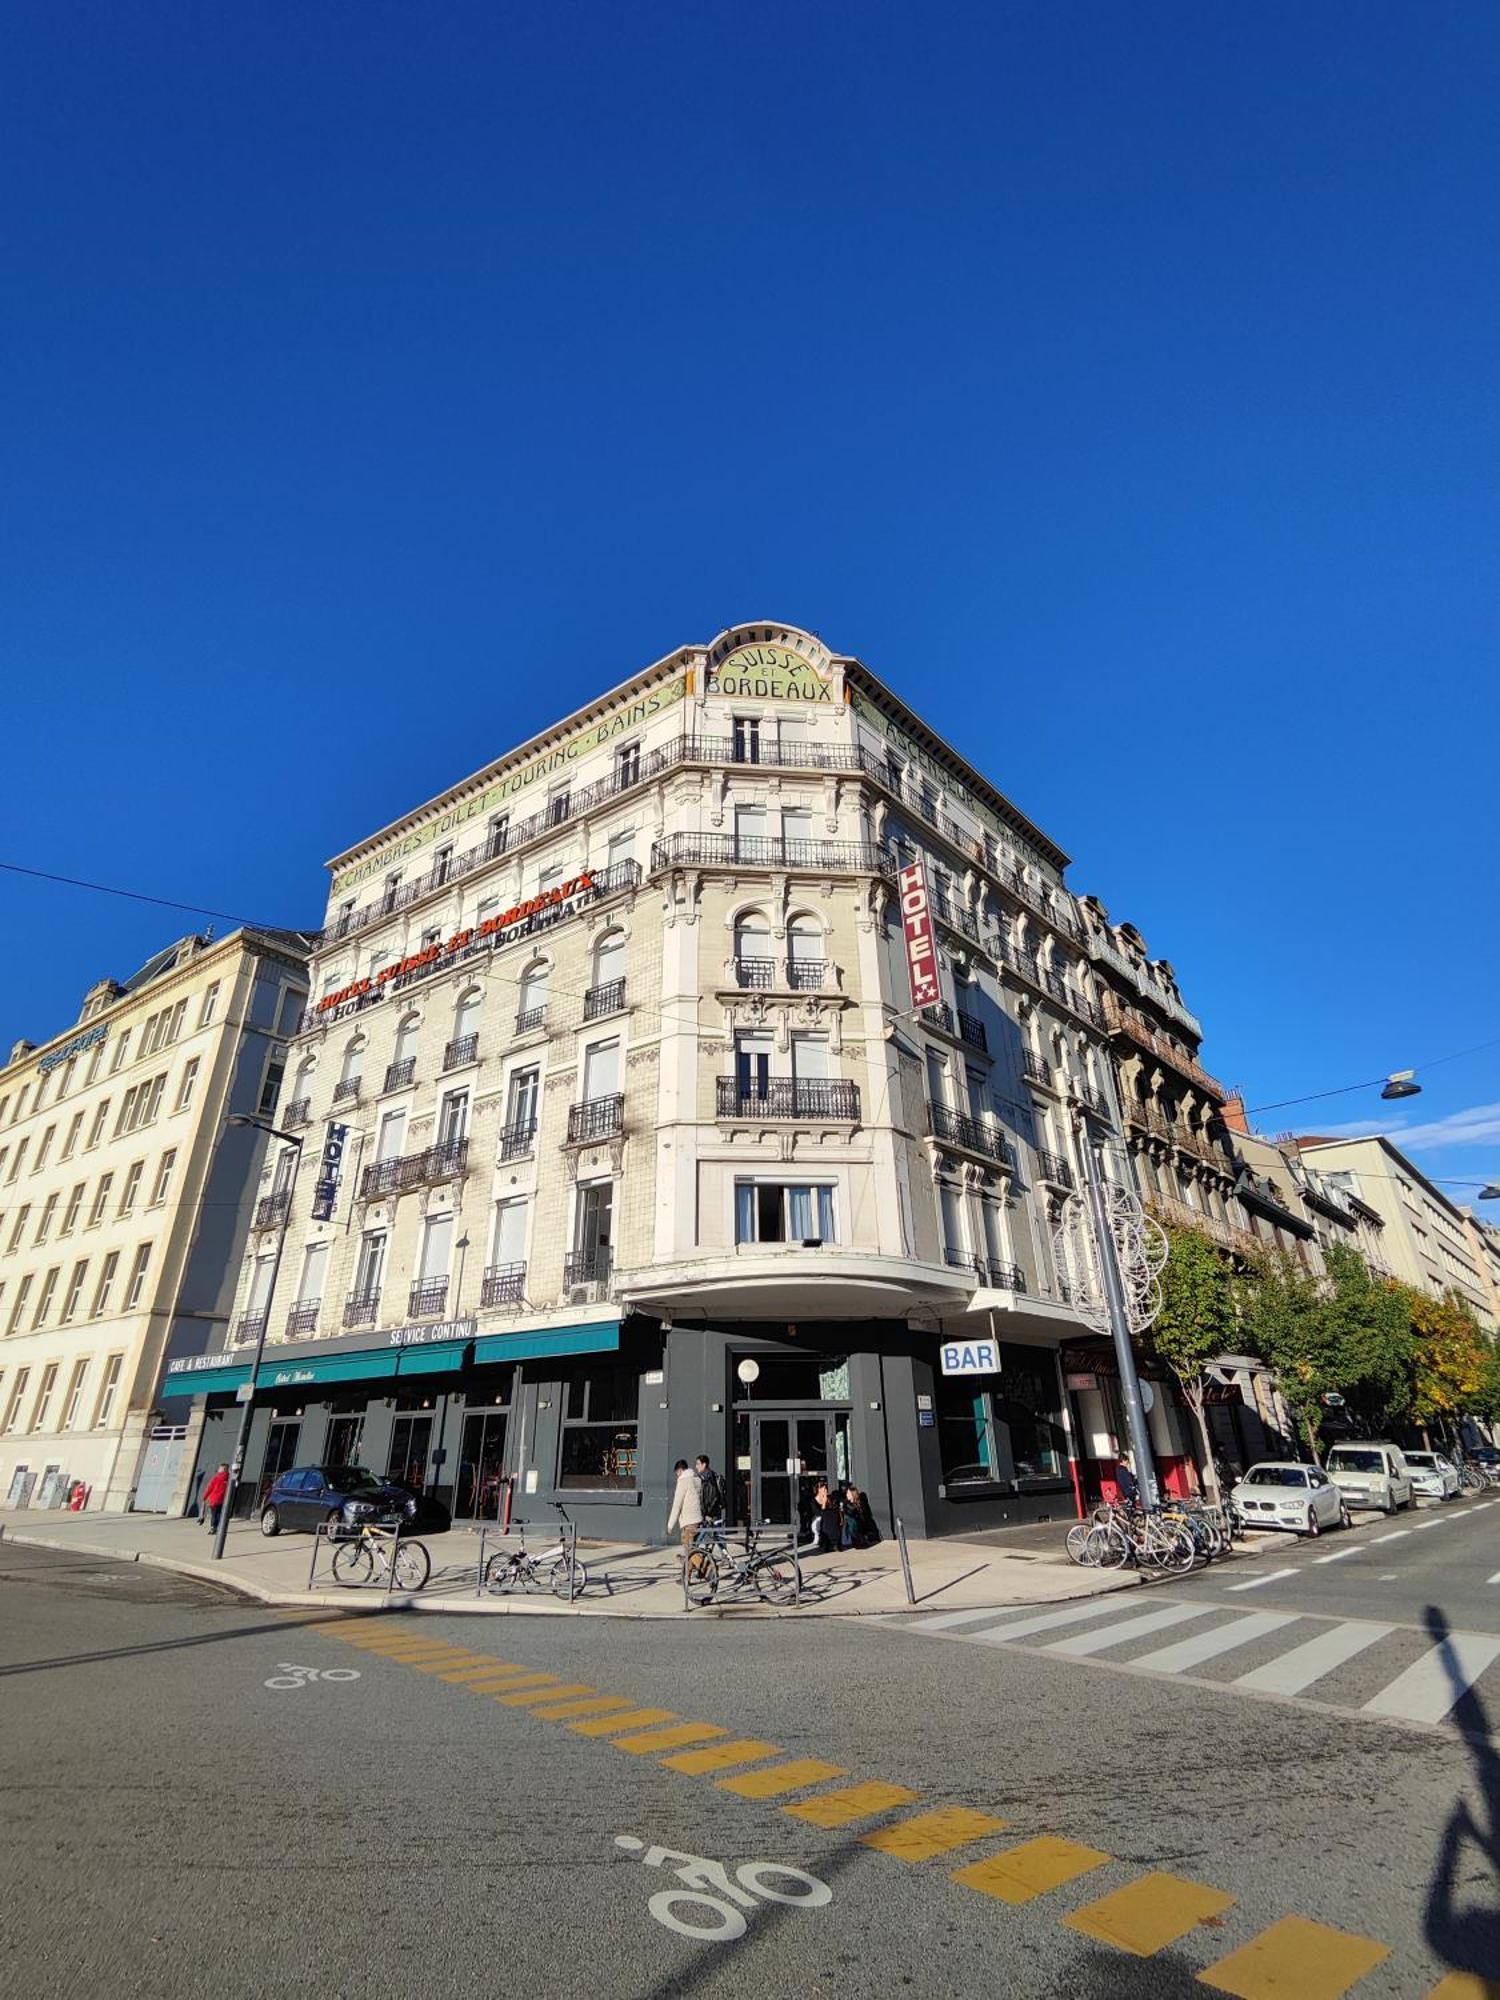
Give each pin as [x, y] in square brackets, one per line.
[382, 1575]
[516, 1529]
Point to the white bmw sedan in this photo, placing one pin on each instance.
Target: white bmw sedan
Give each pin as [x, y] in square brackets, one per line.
[1278, 1493]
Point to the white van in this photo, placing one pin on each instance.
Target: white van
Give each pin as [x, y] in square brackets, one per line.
[1371, 1476]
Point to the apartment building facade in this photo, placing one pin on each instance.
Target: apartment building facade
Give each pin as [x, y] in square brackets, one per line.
[123, 1208]
[710, 1073]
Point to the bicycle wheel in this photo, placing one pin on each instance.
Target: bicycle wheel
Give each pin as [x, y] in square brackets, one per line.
[775, 1579]
[558, 1577]
[1081, 1549]
[411, 1567]
[702, 1576]
[499, 1574]
[1111, 1546]
[352, 1563]
[1181, 1552]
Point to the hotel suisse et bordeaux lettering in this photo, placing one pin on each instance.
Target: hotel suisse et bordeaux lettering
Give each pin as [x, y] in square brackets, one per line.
[769, 673]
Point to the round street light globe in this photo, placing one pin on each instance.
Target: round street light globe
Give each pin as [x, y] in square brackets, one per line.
[748, 1370]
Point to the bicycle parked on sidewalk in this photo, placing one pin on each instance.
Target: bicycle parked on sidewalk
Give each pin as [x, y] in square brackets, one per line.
[375, 1549]
[538, 1569]
[711, 1566]
[1115, 1536]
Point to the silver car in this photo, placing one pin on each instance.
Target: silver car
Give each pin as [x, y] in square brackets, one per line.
[1371, 1475]
[1432, 1475]
[1279, 1493]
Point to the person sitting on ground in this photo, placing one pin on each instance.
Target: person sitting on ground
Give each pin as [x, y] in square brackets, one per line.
[827, 1521]
[860, 1531]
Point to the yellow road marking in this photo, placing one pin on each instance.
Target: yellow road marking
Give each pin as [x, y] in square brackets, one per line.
[502, 1683]
[1148, 1915]
[1296, 1957]
[549, 1682]
[491, 1669]
[611, 1725]
[1021, 1873]
[1465, 1986]
[930, 1833]
[781, 1778]
[669, 1739]
[445, 1663]
[420, 1649]
[560, 1711]
[721, 1756]
[557, 1692]
[852, 1803]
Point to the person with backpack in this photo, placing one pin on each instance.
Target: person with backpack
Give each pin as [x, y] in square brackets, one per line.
[686, 1517]
[711, 1489]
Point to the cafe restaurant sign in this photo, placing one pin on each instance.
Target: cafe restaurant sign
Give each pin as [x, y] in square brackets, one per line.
[536, 913]
[769, 673]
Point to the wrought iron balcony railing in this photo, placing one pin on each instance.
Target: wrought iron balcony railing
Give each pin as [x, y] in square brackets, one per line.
[971, 1029]
[940, 1015]
[503, 1285]
[518, 1140]
[434, 1163]
[606, 999]
[806, 975]
[762, 852]
[298, 1112]
[1054, 1168]
[428, 1298]
[346, 1088]
[302, 1317]
[399, 1074]
[361, 1308]
[1091, 1099]
[753, 972]
[530, 1019]
[596, 1118]
[587, 1267]
[248, 1326]
[462, 1049]
[789, 1097]
[273, 1209]
[974, 1135]
[1034, 1067]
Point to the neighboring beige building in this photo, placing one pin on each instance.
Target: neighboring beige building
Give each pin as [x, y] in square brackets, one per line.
[1426, 1239]
[652, 1142]
[124, 1208]
[1484, 1247]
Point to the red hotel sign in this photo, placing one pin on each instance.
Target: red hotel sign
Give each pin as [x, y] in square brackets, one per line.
[921, 950]
[518, 915]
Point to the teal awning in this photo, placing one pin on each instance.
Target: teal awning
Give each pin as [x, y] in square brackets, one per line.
[434, 1360]
[204, 1381]
[361, 1366]
[600, 1337]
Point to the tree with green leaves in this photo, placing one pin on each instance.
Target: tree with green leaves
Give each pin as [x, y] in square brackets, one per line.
[1368, 1332]
[1281, 1313]
[1197, 1321]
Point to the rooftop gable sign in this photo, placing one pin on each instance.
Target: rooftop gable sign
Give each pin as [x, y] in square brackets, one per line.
[767, 672]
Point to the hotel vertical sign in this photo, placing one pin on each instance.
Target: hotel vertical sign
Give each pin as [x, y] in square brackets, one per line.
[916, 924]
[326, 1186]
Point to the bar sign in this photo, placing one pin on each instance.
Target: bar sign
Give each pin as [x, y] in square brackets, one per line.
[326, 1186]
[916, 921]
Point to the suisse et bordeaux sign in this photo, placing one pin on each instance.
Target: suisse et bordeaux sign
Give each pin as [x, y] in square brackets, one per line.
[769, 673]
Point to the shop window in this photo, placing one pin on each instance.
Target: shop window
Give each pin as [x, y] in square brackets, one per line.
[600, 1430]
[1008, 1432]
[781, 1212]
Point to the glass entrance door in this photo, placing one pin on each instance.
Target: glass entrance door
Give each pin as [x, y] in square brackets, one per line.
[344, 1433]
[481, 1466]
[788, 1454]
[281, 1452]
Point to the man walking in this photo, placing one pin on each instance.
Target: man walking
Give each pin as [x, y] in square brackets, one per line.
[710, 1488]
[213, 1497]
[686, 1517]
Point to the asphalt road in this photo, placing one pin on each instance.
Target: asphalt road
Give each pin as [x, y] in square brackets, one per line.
[175, 1826]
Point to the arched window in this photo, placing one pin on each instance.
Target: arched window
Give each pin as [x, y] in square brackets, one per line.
[299, 1108]
[754, 964]
[463, 1043]
[531, 1010]
[404, 1063]
[606, 994]
[806, 965]
[350, 1069]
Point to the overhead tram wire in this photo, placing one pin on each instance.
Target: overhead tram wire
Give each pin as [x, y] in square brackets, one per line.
[162, 902]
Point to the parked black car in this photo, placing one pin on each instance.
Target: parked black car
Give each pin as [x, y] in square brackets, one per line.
[308, 1495]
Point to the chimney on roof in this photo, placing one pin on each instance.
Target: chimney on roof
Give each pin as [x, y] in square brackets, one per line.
[1233, 1113]
[20, 1050]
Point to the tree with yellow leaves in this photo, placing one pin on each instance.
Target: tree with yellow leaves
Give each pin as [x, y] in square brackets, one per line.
[1449, 1356]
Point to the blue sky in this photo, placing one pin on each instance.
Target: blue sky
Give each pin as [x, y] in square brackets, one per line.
[1118, 382]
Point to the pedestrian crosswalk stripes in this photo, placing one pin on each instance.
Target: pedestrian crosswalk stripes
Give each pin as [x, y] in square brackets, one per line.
[927, 1834]
[1386, 1671]
[722, 1757]
[1260, 1582]
[1149, 1914]
[851, 1803]
[794, 1776]
[1315, 1657]
[1465, 1986]
[1020, 1874]
[674, 1737]
[1296, 1956]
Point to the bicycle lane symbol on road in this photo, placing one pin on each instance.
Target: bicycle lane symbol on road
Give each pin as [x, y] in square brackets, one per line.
[710, 1906]
[291, 1676]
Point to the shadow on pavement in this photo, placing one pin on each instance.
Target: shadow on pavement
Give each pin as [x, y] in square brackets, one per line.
[104, 1654]
[1462, 1918]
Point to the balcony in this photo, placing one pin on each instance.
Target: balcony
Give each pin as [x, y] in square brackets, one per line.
[1091, 1099]
[971, 1030]
[1053, 1167]
[955, 916]
[346, 1089]
[464, 1049]
[775, 756]
[991, 1272]
[940, 1015]
[435, 1163]
[298, 1112]
[249, 1326]
[807, 975]
[503, 1285]
[1035, 1070]
[973, 1135]
[762, 853]
[273, 1209]
[596, 1118]
[755, 972]
[1122, 1020]
[517, 1140]
[428, 1299]
[606, 999]
[361, 1308]
[302, 1317]
[789, 1097]
[588, 1268]
[533, 1019]
[400, 1074]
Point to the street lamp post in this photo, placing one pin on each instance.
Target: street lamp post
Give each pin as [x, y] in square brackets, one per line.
[1091, 1158]
[247, 1406]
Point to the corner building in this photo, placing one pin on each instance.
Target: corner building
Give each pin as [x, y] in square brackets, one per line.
[625, 1138]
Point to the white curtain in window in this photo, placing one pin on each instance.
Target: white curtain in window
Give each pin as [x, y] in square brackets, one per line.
[609, 960]
[601, 1070]
[392, 1132]
[810, 1057]
[744, 1212]
[437, 1241]
[314, 1271]
[510, 1232]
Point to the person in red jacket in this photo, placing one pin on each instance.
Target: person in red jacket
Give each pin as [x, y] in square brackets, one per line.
[213, 1496]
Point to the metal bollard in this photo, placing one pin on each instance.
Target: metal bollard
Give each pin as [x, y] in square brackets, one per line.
[911, 1595]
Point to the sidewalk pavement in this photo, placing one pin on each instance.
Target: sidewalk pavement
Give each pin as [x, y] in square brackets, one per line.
[626, 1579]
